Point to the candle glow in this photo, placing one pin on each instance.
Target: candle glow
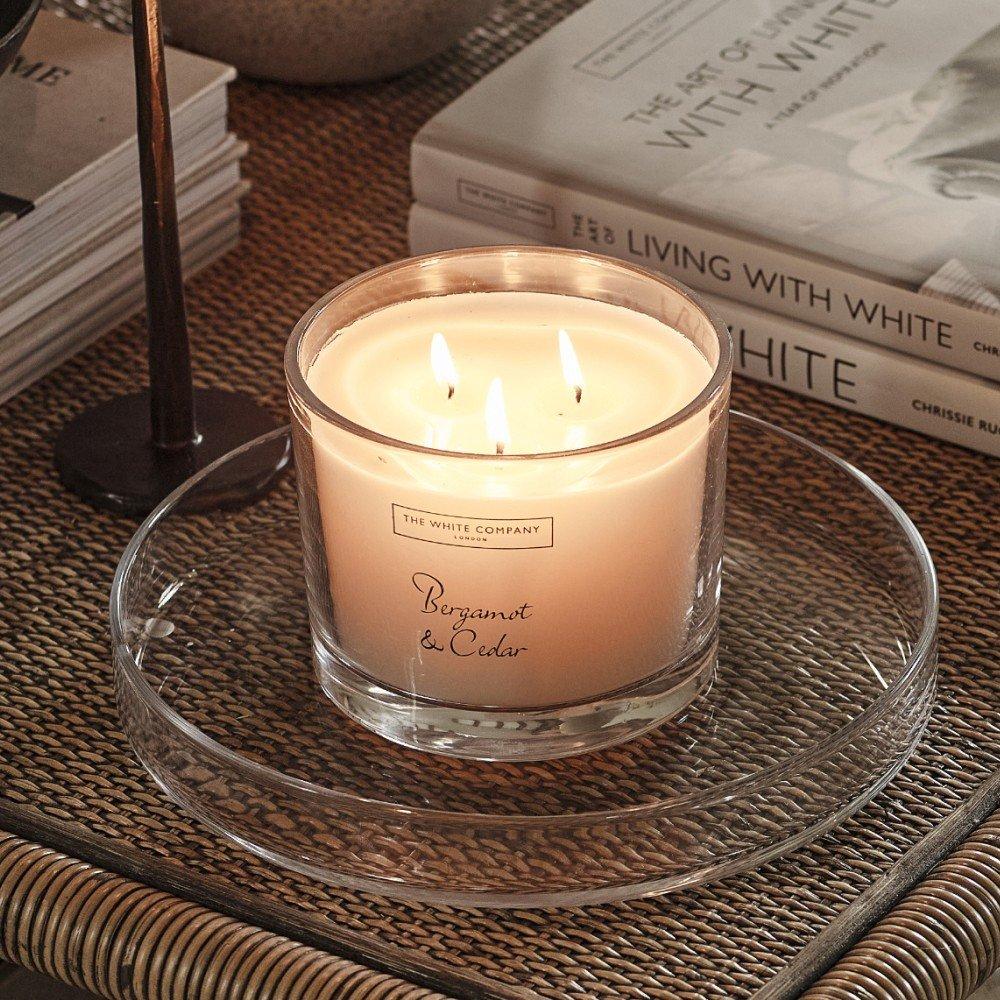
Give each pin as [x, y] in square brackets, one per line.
[443, 364]
[572, 371]
[496, 417]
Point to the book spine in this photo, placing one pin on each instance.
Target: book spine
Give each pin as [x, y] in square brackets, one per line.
[909, 392]
[756, 273]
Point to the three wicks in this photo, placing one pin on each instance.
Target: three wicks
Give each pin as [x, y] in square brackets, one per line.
[446, 375]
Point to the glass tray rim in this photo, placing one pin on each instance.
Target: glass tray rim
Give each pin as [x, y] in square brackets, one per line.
[794, 763]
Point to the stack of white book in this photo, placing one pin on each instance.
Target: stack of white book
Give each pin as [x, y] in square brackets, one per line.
[70, 232]
[826, 172]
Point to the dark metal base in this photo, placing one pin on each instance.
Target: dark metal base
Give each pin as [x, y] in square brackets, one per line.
[106, 454]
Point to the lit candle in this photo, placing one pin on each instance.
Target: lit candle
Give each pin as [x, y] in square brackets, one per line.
[503, 527]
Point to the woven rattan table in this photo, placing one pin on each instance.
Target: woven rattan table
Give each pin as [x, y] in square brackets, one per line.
[143, 902]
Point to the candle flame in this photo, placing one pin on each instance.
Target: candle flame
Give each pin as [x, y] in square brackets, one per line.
[443, 365]
[496, 416]
[572, 371]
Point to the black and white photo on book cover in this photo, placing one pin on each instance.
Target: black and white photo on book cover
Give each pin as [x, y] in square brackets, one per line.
[864, 131]
[918, 177]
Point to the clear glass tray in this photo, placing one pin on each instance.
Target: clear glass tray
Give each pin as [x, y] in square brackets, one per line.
[825, 680]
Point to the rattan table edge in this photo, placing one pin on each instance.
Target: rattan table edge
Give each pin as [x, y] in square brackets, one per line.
[92, 917]
[55, 842]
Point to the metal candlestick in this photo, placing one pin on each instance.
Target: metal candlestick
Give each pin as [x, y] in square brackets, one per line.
[127, 454]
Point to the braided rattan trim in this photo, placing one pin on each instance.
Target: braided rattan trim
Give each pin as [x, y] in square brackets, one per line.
[940, 943]
[125, 941]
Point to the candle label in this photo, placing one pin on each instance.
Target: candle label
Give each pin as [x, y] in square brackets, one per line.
[463, 634]
[472, 532]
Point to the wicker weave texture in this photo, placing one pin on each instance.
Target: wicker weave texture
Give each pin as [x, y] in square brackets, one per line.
[125, 941]
[940, 943]
[330, 197]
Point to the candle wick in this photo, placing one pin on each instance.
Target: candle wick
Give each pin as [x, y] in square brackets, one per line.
[578, 392]
[499, 447]
[451, 390]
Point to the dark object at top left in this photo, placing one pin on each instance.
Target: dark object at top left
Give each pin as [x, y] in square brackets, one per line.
[16, 18]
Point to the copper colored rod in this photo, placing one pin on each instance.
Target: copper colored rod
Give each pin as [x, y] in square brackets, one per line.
[170, 389]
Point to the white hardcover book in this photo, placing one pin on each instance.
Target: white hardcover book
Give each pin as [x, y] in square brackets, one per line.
[821, 160]
[67, 108]
[123, 239]
[938, 401]
[77, 213]
[78, 246]
[71, 323]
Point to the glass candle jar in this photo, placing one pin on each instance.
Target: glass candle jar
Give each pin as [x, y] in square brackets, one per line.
[511, 471]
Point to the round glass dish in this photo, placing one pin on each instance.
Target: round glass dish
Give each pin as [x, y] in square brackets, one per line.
[826, 676]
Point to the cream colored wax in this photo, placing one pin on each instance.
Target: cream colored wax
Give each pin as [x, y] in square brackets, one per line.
[510, 581]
